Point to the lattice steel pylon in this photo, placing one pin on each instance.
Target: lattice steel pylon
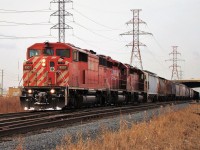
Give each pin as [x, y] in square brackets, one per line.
[136, 59]
[181, 75]
[175, 66]
[61, 13]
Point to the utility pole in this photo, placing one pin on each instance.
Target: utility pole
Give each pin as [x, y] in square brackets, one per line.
[136, 59]
[2, 82]
[61, 13]
[18, 71]
[175, 66]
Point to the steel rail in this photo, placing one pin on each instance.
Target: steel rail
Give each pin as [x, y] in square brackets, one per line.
[19, 114]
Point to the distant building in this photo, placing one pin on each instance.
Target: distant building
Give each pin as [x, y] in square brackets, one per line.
[14, 91]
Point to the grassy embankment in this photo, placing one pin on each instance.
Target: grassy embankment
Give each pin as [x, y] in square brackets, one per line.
[178, 130]
[9, 105]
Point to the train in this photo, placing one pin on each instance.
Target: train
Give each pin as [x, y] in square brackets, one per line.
[61, 75]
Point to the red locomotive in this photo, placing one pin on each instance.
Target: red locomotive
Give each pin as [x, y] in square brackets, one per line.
[62, 75]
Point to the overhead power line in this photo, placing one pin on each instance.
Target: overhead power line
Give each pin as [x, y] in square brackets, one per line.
[24, 11]
[22, 23]
[95, 33]
[23, 37]
[100, 24]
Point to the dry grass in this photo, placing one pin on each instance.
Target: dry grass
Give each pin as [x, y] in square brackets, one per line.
[10, 104]
[173, 131]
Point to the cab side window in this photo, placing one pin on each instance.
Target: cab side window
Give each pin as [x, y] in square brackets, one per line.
[75, 55]
[63, 53]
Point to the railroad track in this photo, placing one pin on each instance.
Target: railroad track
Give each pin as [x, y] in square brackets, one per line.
[22, 114]
[26, 122]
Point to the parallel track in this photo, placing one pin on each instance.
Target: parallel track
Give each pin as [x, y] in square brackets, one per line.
[41, 120]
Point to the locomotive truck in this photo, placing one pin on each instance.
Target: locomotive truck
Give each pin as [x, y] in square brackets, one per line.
[61, 75]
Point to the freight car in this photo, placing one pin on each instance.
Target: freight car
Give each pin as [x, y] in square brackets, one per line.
[62, 75]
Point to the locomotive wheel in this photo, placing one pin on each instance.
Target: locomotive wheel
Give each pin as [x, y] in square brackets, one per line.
[108, 99]
[154, 99]
[54, 103]
[28, 103]
[101, 100]
[98, 99]
[144, 98]
[136, 98]
[79, 101]
[115, 99]
[128, 98]
[76, 101]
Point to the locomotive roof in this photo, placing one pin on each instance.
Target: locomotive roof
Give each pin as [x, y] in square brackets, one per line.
[90, 52]
[150, 72]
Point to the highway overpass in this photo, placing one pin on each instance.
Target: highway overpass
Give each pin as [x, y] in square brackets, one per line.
[193, 83]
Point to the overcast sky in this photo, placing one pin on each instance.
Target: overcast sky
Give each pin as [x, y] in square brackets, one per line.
[97, 25]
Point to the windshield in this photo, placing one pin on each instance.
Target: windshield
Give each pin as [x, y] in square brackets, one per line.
[48, 52]
[63, 53]
[33, 52]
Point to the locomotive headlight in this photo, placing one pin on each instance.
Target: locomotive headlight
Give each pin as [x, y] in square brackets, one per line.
[52, 91]
[30, 91]
[43, 62]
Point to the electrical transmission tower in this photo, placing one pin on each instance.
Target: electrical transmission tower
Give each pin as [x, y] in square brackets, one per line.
[175, 66]
[136, 59]
[61, 13]
[181, 75]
